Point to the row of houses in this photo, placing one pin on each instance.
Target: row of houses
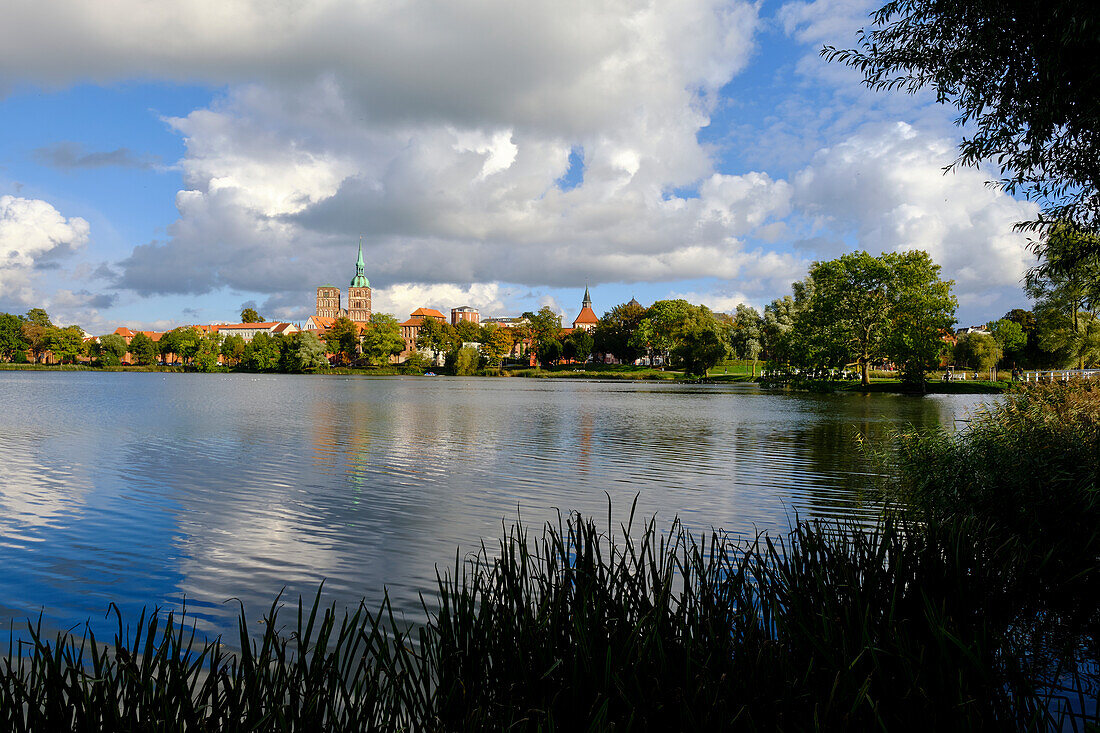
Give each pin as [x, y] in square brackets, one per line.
[246, 331]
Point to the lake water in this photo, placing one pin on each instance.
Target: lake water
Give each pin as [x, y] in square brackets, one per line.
[148, 489]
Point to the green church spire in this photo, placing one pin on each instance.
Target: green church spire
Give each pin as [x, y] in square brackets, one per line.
[360, 280]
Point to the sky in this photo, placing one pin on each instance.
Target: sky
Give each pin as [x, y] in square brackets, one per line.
[164, 164]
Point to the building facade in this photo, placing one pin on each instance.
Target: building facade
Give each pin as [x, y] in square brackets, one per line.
[329, 297]
[464, 313]
[328, 302]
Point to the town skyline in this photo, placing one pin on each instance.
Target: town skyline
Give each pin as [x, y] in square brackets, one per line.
[182, 176]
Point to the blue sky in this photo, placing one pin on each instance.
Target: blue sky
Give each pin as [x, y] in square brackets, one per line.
[158, 170]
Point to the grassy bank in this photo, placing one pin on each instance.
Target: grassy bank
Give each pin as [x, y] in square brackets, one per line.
[12, 367]
[592, 371]
[971, 606]
[893, 386]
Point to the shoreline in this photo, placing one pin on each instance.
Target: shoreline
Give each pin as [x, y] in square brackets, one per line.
[598, 375]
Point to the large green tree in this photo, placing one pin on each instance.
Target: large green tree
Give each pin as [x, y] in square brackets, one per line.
[12, 341]
[39, 317]
[1032, 353]
[262, 353]
[65, 343]
[343, 339]
[747, 334]
[111, 348]
[849, 312]
[436, 337]
[382, 339]
[865, 309]
[249, 315]
[302, 351]
[614, 334]
[659, 330]
[207, 351]
[922, 312]
[1066, 288]
[311, 352]
[699, 342]
[143, 349]
[1009, 335]
[468, 332]
[979, 351]
[181, 342]
[466, 361]
[577, 345]
[233, 349]
[549, 351]
[497, 343]
[1023, 77]
[543, 328]
[35, 335]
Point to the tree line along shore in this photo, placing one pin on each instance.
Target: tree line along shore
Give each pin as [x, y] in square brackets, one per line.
[858, 313]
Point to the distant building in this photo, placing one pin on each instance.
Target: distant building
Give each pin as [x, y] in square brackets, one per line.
[503, 322]
[319, 323]
[329, 297]
[248, 331]
[464, 313]
[410, 329]
[359, 293]
[586, 319]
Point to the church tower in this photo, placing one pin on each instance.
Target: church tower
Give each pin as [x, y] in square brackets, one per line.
[586, 319]
[328, 301]
[359, 292]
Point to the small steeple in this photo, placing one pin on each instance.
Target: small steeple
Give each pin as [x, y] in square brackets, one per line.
[360, 279]
[587, 302]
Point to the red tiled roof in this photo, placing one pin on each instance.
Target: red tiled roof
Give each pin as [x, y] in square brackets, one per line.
[414, 321]
[586, 316]
[427, 312]
[124, 332]
[244, 326]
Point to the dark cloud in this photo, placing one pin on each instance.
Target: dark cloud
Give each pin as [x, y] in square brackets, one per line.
[68, 155]
[78, 301]
[102, 300]
[104, 271]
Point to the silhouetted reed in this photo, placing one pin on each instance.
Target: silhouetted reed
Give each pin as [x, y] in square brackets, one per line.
[832, 627]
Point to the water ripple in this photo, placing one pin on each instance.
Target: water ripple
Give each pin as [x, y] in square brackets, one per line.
[164, 489]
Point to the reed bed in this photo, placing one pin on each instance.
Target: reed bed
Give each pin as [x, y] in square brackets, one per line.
[965, 608]
[581, 629]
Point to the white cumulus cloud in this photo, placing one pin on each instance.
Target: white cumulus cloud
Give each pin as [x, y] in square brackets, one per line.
[885, 188]
[33, 234]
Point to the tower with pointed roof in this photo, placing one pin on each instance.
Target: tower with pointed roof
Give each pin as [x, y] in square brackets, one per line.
[359, 308]
[586, 319]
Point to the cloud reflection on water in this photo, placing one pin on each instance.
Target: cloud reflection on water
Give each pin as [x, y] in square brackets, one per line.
[219, 486]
